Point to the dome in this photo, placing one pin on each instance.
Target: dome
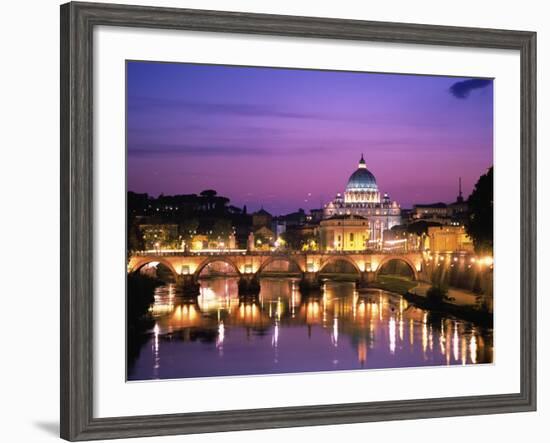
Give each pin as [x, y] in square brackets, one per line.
[362, 179]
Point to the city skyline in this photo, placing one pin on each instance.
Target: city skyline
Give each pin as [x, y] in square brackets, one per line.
[284, 139]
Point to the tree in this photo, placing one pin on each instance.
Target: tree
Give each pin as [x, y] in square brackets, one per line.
[420, 227]
[209, 193]
[141, 295]
[188, 227]
[293, 238]
[297, 240]
[480, 223]
[135, 240]
[221, 228]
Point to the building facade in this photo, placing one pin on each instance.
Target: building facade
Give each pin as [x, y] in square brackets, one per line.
[449, 239]
[455, 213]
[159, 236]
[362, 199]
[261, 218]
[344, 233]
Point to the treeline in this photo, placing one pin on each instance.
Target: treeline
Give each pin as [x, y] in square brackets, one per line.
[206, 213]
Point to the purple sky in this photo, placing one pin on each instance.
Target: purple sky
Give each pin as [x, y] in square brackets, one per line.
[287, 138]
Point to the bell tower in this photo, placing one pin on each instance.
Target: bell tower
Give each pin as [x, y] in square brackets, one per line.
[460, 199]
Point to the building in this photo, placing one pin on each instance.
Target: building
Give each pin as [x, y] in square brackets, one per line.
[261, 218]
[281, 224]
[315, 215]
[459, 209]
[302, 237]
[279, 228]
[263, 238]
[295, 218]
[199, 242]
[362, 200]
[344, 233]
[449, 239]
[159, 236]
[435, 211]
[399, 239]
[455, 213]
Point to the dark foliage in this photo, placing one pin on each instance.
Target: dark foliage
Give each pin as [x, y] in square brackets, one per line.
[419, 227]
[436, 295]
[141, 291]
[480, 223]
[193, 214]
[296, 239]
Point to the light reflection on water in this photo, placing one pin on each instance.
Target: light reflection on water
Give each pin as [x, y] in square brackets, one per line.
[220, 333]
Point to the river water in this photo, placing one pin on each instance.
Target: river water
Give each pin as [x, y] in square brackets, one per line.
[281, 331]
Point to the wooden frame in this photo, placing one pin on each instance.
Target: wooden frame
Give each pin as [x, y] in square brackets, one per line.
[77, 23]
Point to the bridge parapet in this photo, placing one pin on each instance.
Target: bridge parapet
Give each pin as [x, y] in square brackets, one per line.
[241, 252]
[251, 263]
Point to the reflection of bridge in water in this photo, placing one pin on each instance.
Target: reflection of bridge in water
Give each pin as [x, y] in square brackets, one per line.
[279, 302]
[339, 311]
[363, 266]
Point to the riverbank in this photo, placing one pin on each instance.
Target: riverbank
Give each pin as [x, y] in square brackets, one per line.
[463, 312]
[459, 297]
[462, 304]
[393, 284]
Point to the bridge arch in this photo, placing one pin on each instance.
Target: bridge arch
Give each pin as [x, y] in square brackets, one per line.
[210, 260]
[143, 261]
[341, 258]
[277, 258]
[400, 258]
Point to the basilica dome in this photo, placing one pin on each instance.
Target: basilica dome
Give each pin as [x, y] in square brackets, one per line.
[362, 179]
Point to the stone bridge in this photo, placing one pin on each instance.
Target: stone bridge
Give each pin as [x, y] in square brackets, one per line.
[366, 264]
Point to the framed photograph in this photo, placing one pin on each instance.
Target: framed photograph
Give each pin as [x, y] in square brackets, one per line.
[337, 214]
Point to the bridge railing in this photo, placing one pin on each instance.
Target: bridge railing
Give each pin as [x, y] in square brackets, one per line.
[222, 252]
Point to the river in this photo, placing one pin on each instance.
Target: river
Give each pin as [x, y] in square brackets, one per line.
[281, 331]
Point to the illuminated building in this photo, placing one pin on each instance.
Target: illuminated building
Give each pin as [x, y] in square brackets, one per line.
[263, 239]
[399, 239]
[434, 211]
[362, 199]
[449, 239]
[344, 233]
[159, 236]
[199, 242]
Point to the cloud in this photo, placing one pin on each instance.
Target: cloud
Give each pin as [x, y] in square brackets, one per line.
[146, 150]
[240, 109]
[462, 89]
[152, 129]
[326, 147]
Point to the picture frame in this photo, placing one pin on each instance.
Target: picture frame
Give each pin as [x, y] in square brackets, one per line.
[78, 21]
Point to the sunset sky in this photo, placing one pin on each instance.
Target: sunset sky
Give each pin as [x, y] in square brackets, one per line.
[289, 138]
